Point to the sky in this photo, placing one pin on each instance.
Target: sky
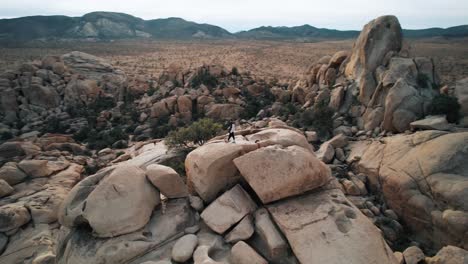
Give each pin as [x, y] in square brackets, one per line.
[237, 15]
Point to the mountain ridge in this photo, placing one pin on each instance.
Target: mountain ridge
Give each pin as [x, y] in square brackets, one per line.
[103, 25]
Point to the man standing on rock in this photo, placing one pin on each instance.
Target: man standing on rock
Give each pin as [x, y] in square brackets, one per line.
[231, 129]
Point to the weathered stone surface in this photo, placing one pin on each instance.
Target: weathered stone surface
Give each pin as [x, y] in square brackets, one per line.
[113, 202]
[413, 255]
[211, 249]
[339, 141]
[46, 258]
[272, 241]
[379, 37]
[422, 177]
[449, 255]
[228, 209]
[167, 180]
[154, 241]
[13, 216]
[431, 123]
[242, 231]
[210, 168]
[284, 136]
[12, 149]
[184, 247]
[27, 242]
[5, 188]
[242, 253]
[326, 152]
[35, 168]
[264, 170]
[326, 222]
[336, 98]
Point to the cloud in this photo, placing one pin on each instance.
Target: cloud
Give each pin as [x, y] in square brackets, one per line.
[236, 15]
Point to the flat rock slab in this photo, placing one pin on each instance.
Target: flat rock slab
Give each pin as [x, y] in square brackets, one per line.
[275, 172]
[326, 228]
[228, 209]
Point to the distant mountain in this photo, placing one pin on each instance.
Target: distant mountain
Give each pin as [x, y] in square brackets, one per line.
[299, 32]
[451, 32]
[309, 32]
[104, 25]
[109, 25]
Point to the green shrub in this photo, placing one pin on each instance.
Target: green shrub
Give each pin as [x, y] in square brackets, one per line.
[197, 133]
[204, 77]
[319, 117]
[256, 103]
[160, 127]
[422, 80]
[235, 71]
[446, 105]
[99, 140]
[289, 109]
[53, 125]
[151, 91]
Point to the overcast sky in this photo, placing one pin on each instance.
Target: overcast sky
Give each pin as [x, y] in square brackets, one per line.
[236, 15]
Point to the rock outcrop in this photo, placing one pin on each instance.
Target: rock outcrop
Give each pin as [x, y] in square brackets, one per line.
[423, 179]
[377, 39]
[114, 202]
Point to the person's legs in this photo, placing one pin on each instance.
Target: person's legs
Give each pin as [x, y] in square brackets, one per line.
[231, 135]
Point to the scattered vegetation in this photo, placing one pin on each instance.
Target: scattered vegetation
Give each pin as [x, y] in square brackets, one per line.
[195, 134]
[204, 77]
[54, 125]
[100, 139]
[160, 127]
[446, 105]
[235, 71]
[318, 118]
[253, 104]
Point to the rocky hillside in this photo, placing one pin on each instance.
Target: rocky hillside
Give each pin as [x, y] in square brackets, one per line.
[104, 26]
[350, 164]
[109, 26]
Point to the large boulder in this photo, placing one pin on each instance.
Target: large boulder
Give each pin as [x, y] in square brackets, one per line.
[154, 241]
[167, 181]
[81, 92]
[113, 202]
[377, 39]
[325, 227]
[210, 168]
[265, 170]
[423, 179]
[39, 95]
[87, 64]
[281, 135]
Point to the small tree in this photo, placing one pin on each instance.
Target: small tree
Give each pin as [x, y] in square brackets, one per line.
[197, 133]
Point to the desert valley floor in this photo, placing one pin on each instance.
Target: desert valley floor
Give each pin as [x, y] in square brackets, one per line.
[265, 59]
